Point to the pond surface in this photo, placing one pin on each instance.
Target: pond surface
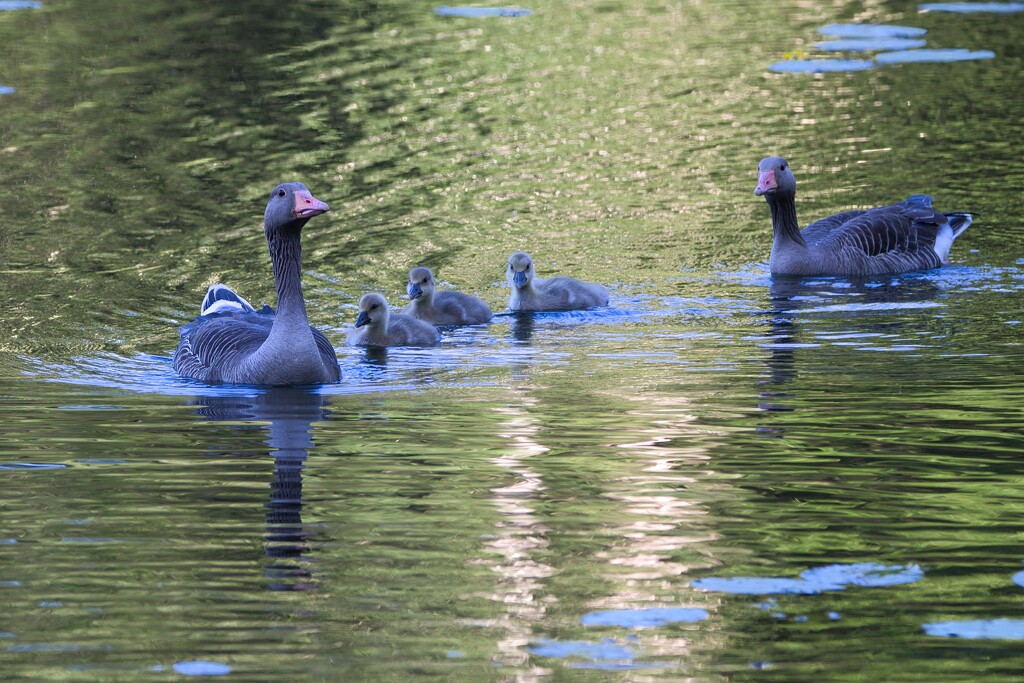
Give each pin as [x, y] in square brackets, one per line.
[719, 477]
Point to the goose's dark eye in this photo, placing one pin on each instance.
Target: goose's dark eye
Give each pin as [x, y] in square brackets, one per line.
[373, 307]
[527, 266]
[281, 193]
[782, 168]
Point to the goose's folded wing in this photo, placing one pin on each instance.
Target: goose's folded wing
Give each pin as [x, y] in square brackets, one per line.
[821, 228]
[327, 353]
[213, 343]
[897, 229]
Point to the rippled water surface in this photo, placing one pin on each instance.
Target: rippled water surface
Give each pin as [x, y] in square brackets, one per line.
[721, 476]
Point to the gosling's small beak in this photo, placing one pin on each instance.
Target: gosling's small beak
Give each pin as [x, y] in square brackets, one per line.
[414, 291]
[363, 319]
[519, 278]
[766, 183]
[307, 206]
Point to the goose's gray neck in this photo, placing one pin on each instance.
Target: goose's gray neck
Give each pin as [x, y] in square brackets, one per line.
[286, 256]
[784, 222]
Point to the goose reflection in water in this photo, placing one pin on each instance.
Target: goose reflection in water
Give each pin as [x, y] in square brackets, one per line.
[289, 414]
[805, 312]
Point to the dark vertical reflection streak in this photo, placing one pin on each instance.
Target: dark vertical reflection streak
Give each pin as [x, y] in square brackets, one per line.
[289, 414]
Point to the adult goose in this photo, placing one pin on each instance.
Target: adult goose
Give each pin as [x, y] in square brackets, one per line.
[445, 307]
[891, 239]
[231, 342]
[377, 326]
[530, 293]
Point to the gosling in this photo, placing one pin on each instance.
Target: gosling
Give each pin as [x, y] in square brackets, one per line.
[530, 293]
[442, 308]
[377, 326]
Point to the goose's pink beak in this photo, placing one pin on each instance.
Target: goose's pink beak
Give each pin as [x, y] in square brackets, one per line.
[307, 206]
[765, 183]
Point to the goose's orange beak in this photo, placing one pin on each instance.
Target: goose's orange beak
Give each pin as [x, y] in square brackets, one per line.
[307, 206]
[766, 183]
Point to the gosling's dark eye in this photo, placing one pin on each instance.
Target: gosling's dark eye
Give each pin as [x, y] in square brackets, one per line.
[373, 307]
[782, 168]
[281, 192]
[527, 266]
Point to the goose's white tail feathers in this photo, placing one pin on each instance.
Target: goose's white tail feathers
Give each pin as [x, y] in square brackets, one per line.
[959, 222]
[221, 299]
[956, 224]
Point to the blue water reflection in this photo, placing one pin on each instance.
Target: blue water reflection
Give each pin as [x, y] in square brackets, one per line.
[942, 55]
[973, 7]
[832, 577]
[977, 629]
[482, 12]
[816, 66]
[872, 31]
[870, 45]
[30, 466]
[866, 574]
[641, 618]
[201, 668]
[10, 5]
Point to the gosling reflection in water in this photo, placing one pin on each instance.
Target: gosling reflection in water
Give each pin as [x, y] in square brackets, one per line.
[290, 413]
[521, 325]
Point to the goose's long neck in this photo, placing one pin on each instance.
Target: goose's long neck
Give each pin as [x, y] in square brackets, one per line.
[286, 257]
[784, 222]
